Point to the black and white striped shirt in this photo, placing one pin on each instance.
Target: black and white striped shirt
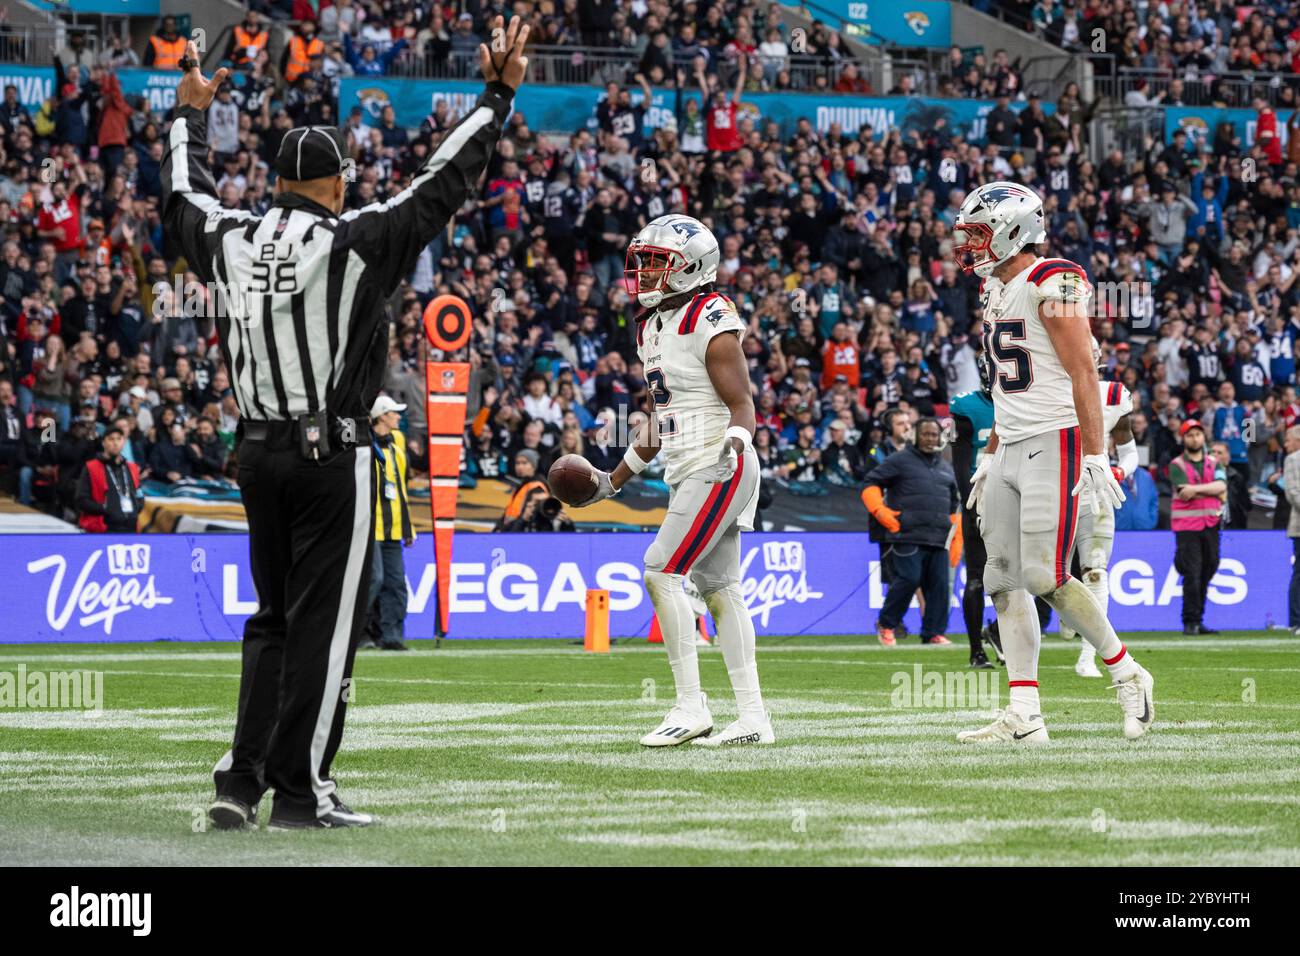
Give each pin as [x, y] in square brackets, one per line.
[302, 325]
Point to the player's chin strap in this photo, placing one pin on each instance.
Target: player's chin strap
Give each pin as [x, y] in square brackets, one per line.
[1128, 457]
[743, 435]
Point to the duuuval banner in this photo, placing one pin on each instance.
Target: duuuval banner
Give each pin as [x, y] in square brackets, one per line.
[97, 588]
[569, 108]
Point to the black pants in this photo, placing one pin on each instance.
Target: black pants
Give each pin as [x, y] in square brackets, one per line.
[975, 557]
[918, 566]
[1196, 558]
[310, 530]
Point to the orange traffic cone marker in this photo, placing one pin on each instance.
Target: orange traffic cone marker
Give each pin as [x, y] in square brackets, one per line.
[657, 636]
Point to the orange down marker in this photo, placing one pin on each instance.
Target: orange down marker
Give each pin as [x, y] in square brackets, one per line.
[447, 326]
[596, 639]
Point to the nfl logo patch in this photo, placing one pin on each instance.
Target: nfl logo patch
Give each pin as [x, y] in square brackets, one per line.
[448, 380]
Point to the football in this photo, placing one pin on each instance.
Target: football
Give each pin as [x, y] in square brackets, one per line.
[572, 479]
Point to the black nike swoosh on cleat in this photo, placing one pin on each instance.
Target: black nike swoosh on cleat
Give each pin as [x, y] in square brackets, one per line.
[1024, 735]
[1146, 710]
[1033, 453]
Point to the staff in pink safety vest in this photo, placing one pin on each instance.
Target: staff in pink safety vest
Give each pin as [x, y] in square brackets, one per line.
[1194, 516]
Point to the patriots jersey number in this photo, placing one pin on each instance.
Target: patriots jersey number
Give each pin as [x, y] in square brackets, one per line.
[654, 378]
[998, 343]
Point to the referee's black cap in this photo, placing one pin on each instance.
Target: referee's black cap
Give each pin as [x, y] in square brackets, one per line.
[311, 152]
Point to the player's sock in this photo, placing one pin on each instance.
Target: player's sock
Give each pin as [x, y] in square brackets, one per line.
[677, 624]
[972, 612]
[1079, 609]
[736, 635]
[1018, 627]
[1097, 581]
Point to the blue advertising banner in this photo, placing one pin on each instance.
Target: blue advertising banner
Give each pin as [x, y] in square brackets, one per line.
[547, 107]
[35, 83]
[117, 8]
[93, 588]
[1201, 122]
[156, 86]
[567, 108]
[914, 23]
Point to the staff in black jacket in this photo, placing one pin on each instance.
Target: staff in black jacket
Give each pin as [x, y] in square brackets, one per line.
[305, 340]
[913, 494]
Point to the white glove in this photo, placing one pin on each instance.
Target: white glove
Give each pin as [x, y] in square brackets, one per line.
[977, 480]
[1099, 484]
[726, 466]
[604, 489]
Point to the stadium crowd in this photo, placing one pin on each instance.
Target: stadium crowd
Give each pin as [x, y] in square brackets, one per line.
[836, 249]
[1196, 53]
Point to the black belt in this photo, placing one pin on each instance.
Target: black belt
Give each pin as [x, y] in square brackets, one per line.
[285, 432]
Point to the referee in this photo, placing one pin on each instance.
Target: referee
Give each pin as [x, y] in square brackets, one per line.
[304, 336]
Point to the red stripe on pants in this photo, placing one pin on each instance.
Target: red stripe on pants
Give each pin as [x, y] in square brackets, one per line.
[685, 556]
[680, 554]
[1071, 448]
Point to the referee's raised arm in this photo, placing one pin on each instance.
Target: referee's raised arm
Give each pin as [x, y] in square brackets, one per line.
[302, 334]
[191, 213]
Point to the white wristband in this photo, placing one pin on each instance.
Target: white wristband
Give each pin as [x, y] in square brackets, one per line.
[635, 463]
[1127, 454]
[743, 434]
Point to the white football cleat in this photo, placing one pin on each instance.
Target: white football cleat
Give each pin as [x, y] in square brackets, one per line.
[1137, 701]
[680, 726]
[742, 732]
[1009, 728]
[1086, 665]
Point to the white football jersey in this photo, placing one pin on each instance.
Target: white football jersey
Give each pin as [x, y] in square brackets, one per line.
[1031, 389]
[692, 419]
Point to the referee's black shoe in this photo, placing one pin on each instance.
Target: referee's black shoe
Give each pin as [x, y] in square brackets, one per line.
[231, 813]
[341, 816]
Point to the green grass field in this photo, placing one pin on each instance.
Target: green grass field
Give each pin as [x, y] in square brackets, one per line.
[525, 752]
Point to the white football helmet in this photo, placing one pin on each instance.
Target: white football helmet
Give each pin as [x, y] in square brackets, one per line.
[995, 222]
[671, 255]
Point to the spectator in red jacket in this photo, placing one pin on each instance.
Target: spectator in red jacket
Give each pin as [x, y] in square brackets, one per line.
[114, 116]
[850, 81]
[59, 221]
[108, 492]
[1266, 132]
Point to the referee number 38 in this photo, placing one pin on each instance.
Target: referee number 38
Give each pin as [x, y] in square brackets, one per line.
[272, 273]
